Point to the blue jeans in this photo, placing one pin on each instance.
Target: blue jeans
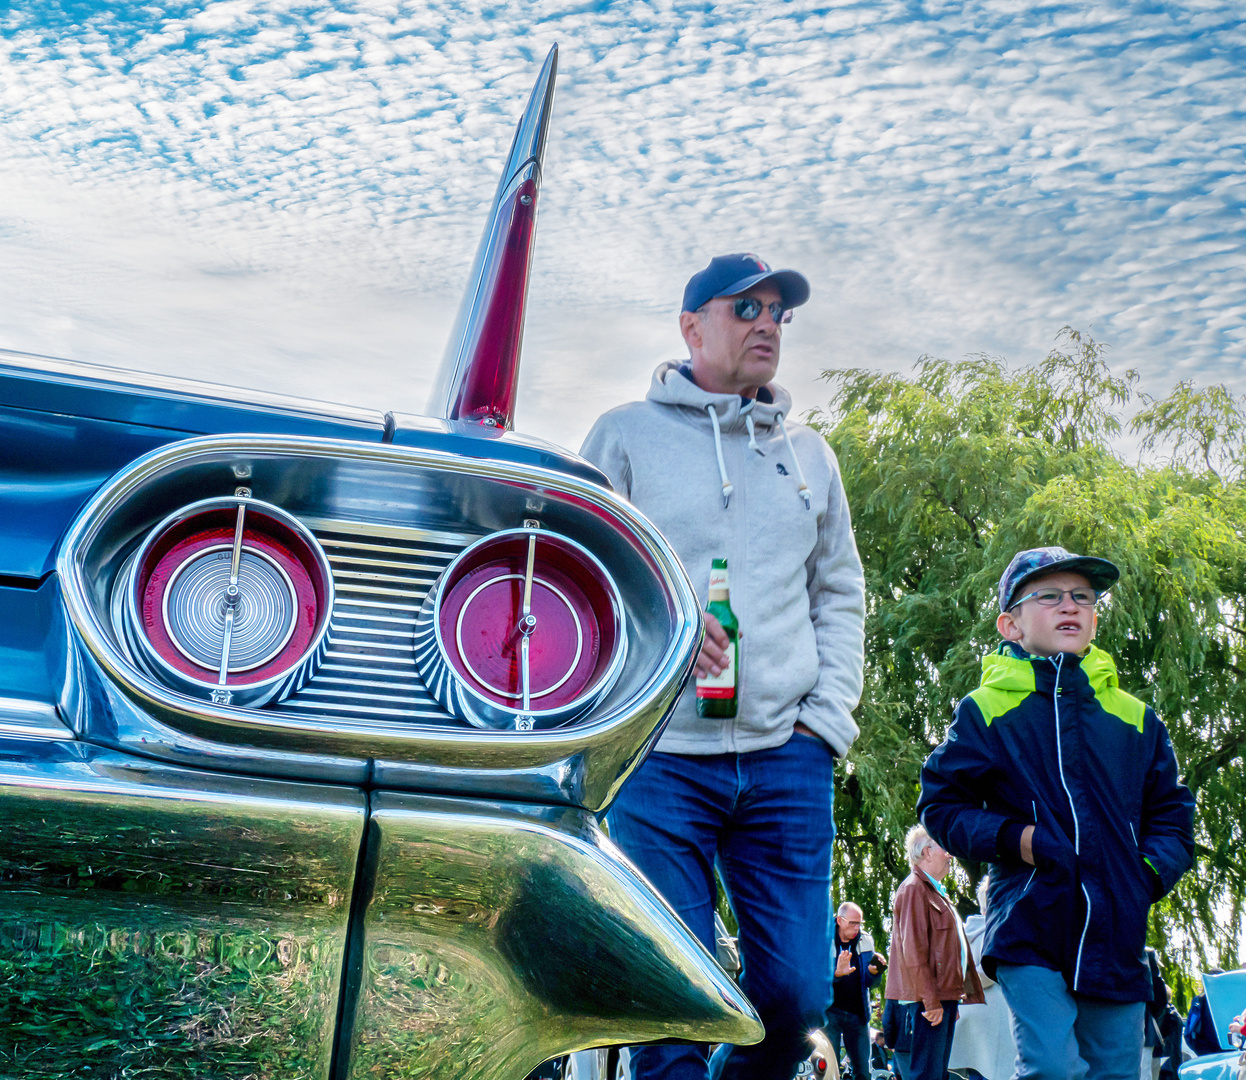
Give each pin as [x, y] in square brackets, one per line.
[853, 1033]
[1059, 1034]
[765, 818]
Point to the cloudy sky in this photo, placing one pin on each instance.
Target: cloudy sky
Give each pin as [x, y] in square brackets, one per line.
[287, 194]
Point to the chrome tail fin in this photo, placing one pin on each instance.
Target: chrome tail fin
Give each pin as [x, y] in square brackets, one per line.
[479, 373]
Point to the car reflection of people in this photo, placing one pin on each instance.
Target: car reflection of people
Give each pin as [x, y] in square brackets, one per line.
[932, 969]
[855, 967]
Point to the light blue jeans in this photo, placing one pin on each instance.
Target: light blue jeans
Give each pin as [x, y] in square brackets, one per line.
[765, 817]
[1064, 1036]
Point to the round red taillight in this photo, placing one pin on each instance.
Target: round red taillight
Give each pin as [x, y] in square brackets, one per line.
[229, 599]
[524, 630]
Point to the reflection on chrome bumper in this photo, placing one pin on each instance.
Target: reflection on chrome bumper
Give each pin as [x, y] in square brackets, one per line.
[499, 936]
[158, 921]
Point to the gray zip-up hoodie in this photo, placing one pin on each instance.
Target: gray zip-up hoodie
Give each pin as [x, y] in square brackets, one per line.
[767, 495]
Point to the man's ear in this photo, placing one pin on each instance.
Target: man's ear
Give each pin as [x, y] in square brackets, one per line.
[690, 327]
[1007, 627]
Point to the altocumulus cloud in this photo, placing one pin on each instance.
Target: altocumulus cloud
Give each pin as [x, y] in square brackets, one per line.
[278, 193]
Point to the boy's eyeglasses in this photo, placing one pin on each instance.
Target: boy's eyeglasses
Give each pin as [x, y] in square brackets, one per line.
[749, 307]
[1051, 597]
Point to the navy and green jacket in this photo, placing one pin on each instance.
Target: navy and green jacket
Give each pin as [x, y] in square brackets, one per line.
[1055, 743]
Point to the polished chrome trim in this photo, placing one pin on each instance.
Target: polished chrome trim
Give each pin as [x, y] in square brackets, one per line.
[514, 935]
[370, 669]
[31, 719]
[138, 898]
[584, 764]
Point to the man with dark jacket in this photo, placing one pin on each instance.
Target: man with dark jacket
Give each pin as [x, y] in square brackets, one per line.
[855, 968]
[880, 1060]
[1068, 786]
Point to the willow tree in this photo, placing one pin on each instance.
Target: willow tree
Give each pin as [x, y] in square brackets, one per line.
[951, 470]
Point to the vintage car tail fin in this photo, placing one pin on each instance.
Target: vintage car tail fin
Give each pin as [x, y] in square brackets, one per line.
[479, 372]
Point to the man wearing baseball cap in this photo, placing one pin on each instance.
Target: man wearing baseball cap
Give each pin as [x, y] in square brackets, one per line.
[1068, 786]
[713, 458]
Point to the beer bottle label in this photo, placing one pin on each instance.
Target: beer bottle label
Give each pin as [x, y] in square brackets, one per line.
[721, 685]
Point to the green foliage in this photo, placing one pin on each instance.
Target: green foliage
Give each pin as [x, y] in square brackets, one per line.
[952, 470]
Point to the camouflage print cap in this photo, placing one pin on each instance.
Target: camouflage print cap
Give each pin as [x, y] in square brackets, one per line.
[1027, 565]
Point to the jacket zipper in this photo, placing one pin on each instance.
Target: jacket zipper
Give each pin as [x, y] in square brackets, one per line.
[1077, 971]
[1077, 829]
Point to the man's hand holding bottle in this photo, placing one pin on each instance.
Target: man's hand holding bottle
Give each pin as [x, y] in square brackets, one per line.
[712, 659]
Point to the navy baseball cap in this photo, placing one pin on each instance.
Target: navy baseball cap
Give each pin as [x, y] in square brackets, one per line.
[729, 275]
[1036, 562]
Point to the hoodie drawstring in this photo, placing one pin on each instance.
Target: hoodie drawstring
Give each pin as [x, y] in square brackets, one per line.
[728, 487]
[752, 434]
[804, 488]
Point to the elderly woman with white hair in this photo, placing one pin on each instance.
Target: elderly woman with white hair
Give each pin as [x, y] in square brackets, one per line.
[932, 969]
[984, 1032]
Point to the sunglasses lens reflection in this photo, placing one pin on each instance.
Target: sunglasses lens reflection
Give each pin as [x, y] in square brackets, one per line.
[749, 308]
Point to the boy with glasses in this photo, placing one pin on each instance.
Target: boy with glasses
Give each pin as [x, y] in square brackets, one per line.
[1068, 786]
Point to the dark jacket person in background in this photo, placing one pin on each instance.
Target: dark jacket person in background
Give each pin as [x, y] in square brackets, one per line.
[855, 968]
[932, 969]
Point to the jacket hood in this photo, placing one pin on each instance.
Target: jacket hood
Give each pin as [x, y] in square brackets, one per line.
[729, 413]
[1011, 669]
[671, 387]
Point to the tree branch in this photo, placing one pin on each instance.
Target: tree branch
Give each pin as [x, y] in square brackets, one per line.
[1231, 746]
[952, 509]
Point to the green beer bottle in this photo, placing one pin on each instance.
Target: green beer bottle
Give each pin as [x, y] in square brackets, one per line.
[719, 695]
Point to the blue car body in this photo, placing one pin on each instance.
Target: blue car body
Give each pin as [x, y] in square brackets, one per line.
[351, 877]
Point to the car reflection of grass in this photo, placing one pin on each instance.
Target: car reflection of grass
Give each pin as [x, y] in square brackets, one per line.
[190, 936]
[442, 1016]
[167, 999]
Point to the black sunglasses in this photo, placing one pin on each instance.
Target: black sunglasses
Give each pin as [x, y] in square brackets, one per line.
[749, 308]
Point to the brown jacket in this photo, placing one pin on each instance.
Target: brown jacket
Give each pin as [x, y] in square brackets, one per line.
[925, 948]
